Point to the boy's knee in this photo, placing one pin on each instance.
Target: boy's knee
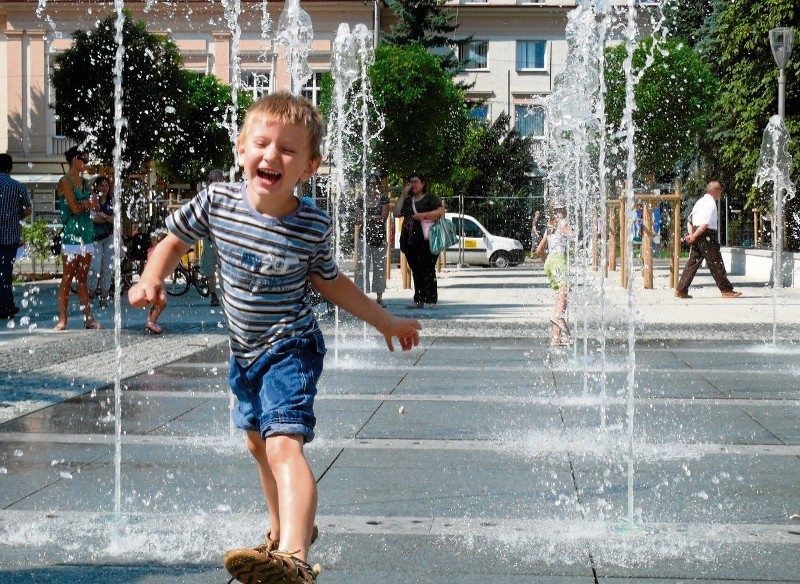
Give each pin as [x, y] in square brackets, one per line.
[281, 447]
[255, 444]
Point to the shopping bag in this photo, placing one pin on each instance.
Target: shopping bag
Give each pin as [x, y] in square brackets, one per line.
[442, 235]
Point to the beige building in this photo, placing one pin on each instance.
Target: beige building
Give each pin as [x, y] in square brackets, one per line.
[518, 47]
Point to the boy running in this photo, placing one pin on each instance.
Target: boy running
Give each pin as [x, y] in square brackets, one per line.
[271, 245]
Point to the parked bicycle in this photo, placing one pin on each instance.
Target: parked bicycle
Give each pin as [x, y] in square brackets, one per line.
[183, 277]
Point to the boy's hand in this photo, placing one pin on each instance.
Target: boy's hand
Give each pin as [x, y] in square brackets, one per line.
[405, 329]
[145, 293]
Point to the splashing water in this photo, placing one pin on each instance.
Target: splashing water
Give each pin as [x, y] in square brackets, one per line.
[774, 165]
[119, 123]
[295, 34]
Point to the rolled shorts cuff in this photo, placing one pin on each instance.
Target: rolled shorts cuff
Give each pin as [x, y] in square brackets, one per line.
[288, 429]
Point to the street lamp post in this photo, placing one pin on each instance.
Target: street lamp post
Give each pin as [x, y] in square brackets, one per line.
[780, 41]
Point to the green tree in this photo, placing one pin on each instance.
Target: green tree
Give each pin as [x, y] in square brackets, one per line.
[686, 18]
[83, 78]
[749, 95]
[37, 239]
[674, 99]
[203, 142]
[426, 115]
[493, 161]
[430, 24]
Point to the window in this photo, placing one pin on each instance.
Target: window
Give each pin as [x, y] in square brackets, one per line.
[531, 55]
[470, 228]
[529, 120]
[473, 54]
[312, 88]
[479, 112]
[254, 83]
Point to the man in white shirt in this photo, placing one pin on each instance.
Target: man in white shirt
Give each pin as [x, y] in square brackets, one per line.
[704, 246]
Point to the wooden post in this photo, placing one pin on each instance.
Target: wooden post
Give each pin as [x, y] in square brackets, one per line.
[756, 229]
[599, 216]
[647, 245]
[355, 251]
[611, 252]
[676, 238]
[389, 247]
[623, 242]
[405, 271]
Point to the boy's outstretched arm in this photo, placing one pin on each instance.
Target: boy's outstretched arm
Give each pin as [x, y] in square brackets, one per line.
[162, 262]
[344, 293]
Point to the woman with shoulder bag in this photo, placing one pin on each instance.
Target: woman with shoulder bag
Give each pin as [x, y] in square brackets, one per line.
[419, 209]
[76, 201]
[372, 211]
[102, 266]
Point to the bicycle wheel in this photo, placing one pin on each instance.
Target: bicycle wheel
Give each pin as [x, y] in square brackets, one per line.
[201, 283]
[177, 283]
[130, 270]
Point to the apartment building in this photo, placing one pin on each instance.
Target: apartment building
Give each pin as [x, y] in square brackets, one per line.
[517, 47]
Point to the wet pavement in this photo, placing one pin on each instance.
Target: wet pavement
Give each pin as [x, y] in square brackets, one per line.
[480, 456]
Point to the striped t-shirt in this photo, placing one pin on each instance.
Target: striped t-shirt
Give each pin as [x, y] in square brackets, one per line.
[264, 263]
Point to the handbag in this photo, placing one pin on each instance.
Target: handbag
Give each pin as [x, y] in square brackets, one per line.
[55, 244]
[426, 223]
[442, 235]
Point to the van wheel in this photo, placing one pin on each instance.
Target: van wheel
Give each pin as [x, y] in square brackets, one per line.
[500, 259]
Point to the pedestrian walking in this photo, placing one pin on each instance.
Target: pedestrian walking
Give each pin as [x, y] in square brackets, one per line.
[704, 245]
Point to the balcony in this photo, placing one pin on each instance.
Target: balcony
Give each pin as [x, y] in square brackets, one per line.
[60, 145]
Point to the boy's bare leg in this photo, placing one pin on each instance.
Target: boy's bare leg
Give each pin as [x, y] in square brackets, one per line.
[258, 448]
[297, 492]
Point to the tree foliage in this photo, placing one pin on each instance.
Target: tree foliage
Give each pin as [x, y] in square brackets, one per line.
[686, 19]
[83, 78]
[425, 112]
[749, 94]
[493, 161]
[674, 99]
[427, 23]
[203, 142]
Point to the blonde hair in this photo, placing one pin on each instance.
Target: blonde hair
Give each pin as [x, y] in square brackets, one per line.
[284, 108]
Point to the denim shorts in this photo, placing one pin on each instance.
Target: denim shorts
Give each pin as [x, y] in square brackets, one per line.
[275, 395]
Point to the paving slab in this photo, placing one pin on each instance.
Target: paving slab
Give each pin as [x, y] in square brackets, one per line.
[505, 465]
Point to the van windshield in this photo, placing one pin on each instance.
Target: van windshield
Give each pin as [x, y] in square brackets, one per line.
[470, 228]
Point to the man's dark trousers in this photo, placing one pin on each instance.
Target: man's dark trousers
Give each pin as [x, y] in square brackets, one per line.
[706, 248]
[7, 255]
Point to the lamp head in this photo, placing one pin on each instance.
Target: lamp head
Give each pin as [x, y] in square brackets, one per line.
[780, 41]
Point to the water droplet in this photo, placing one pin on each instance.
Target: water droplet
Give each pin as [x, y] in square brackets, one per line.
[3, 470]
[150, 371]
[18, 453]
[65, 474]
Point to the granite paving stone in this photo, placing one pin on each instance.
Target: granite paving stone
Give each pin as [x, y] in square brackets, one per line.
[476, 457]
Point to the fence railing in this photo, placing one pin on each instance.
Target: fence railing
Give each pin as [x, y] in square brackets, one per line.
[503, 216]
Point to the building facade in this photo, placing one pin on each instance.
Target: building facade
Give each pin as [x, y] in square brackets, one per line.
[517, 48]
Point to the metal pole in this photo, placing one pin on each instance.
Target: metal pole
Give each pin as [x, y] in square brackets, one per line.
[782, 94]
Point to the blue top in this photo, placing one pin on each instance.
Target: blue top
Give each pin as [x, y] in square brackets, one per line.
[13, 199]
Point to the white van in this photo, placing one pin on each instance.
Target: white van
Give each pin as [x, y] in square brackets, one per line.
[481, 247]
